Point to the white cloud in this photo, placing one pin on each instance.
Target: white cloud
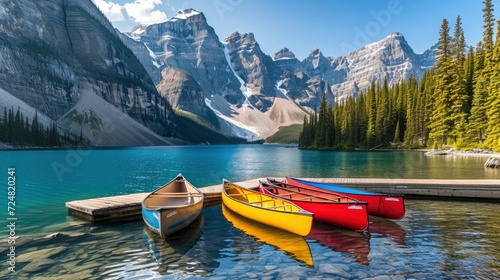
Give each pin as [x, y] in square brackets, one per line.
[111, 10]
[143, 11]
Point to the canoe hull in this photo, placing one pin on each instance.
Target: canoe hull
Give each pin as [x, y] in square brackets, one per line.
[349, 215]
[172, 207]
[382, 205]
[166, 222]
[293, 244]
[269, 211]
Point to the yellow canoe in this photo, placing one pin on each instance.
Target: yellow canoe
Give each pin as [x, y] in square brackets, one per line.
[292, 244]
[265, 209]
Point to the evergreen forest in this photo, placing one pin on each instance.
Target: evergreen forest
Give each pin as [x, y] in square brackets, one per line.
[17, 130]
[455, 104]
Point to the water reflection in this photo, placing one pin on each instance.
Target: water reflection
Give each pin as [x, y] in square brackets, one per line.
[387, 228]
[292, 244]
[464, 234]
[172, 249]
[435, 240]
[342, 240]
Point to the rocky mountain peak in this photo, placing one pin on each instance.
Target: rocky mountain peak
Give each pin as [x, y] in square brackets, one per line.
[284, 53]
[187, 13]
[315, 53]
[391, 58]
[245, 38]
[286, 60]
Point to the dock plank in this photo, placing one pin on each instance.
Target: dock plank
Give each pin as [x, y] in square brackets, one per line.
[128, 207]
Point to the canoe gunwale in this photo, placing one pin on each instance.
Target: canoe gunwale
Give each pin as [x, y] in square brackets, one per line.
[345, 190]
[198, 193]
[253, 204]
[327, 200]
[194, 207]
[378, 203]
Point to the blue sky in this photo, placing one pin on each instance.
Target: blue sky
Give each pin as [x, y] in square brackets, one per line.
[335, 27]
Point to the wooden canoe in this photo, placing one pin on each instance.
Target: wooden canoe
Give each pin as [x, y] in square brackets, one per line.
[379, 204]
[265, 209]
[327, 207]
[292, 244]
[172, 207]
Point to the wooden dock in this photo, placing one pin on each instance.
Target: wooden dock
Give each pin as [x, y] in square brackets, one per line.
[128, 207]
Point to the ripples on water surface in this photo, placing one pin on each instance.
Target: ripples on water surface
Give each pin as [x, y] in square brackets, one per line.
[436, 240]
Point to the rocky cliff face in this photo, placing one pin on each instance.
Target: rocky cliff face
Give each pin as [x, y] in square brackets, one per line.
[257, 70]
[390, 58]
[55, 52]
[187, 42]
[238, 81]
[286, 60]
[182, 91]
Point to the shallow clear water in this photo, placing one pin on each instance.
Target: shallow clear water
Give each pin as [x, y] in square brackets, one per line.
[446, 240]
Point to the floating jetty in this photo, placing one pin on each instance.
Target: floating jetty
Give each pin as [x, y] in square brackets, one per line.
[128, 207]
[492, 163]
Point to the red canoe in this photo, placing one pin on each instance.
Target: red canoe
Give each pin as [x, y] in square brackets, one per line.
[379, 204]
[327, 207]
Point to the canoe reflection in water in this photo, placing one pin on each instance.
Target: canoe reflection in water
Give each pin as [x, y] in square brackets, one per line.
[355, 243]
[342, 240]
[387, 228]
[169, 250]
[292, 244]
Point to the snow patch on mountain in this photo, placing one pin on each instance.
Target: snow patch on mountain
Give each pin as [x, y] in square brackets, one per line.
[184, 14]
[228, 124]
[247, 92]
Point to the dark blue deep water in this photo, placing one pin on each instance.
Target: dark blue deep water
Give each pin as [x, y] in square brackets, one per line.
[435, 240]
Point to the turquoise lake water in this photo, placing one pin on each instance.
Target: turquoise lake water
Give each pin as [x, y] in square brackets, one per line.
[46, 179]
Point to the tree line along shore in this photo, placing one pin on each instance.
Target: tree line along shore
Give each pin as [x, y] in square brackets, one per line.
[455, 104]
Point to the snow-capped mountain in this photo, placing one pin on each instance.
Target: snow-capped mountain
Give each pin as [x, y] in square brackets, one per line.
[239, 82]
[65, 61]
[242, 85]
[390, 58]
[245, 87]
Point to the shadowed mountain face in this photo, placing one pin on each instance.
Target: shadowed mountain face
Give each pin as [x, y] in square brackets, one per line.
[55, 52]
[63, 60]
[242, 85]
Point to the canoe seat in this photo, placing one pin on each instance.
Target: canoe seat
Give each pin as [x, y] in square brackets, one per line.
[304, 199]
[187, 194]
[261, 201]
[278, 206]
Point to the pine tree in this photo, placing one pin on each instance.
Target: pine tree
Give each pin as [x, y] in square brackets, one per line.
[321, 137]
[488, 23]
[362, 120]
[372, 115]
[478, 119]
[469, 80]
[458, 98]
[441, 122]
[493, 109]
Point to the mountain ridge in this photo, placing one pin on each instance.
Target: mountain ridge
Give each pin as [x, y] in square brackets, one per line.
[64, 59]
[244, 76]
